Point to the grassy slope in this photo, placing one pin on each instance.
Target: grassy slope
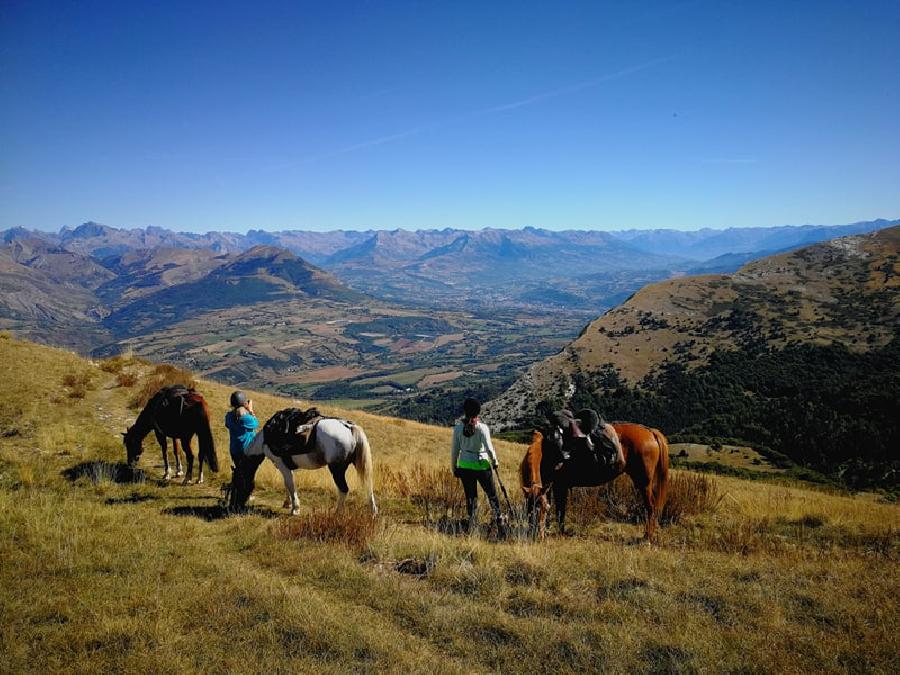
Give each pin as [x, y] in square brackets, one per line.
[122, 576]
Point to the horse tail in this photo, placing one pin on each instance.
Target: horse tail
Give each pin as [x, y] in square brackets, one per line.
[661, 475]
[362, 460]
[205, 438]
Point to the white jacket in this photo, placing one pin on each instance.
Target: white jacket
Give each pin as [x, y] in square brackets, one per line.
[471, 450]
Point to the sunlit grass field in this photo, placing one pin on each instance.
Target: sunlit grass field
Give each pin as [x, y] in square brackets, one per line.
[104, 571]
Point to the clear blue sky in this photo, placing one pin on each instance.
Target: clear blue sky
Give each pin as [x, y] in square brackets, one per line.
[221, 115]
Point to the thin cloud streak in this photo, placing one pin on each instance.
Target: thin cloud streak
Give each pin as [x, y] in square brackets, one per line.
[571, 89]
[492, 110]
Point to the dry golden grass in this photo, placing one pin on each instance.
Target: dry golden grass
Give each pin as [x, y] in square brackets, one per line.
[106, 570]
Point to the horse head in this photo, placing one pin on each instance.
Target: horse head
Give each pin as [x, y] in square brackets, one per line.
[133, 445]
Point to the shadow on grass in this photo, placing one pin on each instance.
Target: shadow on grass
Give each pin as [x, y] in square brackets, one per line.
[130, 499]
[216, 512]
[98, 472]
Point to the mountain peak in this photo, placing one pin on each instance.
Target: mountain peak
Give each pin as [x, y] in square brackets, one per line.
[90, 229]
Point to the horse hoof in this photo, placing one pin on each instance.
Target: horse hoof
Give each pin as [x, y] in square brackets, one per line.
[178, 474]
[294, 512]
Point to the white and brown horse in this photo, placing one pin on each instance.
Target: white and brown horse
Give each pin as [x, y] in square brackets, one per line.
[337, 445]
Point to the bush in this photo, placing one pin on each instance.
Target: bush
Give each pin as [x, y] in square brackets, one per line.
[124, 379]
[163, 375]
[689, 494]
[435, 492]
[114, 364]
[78, 383]
[354, 527]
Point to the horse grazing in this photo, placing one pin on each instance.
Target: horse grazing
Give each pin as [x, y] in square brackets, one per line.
[536, 502]
[296, 440]
[178, 413]
[559, 452]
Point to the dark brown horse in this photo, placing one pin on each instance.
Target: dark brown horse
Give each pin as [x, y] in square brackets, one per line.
[178, 413]
[551, 463]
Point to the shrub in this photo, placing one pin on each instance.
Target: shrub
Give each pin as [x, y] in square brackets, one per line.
[163, 375]
[689, 494]
[125, 379]
[114, 364]
[354, 527]
[78, 383]
[435, 492]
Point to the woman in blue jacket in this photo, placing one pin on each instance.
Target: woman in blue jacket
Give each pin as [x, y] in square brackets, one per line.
[241, 424]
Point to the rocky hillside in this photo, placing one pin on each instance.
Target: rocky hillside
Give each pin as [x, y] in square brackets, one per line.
[832, 307]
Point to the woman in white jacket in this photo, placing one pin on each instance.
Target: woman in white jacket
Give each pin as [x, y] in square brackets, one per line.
[472, 458]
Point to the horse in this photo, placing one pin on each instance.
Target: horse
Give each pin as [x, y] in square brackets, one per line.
[178, 413]
[642, 453]
[335, 443]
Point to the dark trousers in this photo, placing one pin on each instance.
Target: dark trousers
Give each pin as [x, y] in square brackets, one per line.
[471, 479]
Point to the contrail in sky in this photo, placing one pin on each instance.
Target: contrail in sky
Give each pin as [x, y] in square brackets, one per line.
[531, 100]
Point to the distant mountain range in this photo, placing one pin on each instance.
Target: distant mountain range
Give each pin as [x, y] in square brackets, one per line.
[529, 268]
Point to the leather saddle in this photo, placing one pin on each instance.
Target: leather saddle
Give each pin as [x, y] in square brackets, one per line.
[292, 431]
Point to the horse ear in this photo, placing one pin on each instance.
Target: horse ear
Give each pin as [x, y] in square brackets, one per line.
[525, 491]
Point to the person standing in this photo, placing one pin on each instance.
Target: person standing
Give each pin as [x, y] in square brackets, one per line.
[472, 457]
[241, 424]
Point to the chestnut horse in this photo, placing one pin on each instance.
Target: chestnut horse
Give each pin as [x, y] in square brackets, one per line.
[178, 413]
[546, 467]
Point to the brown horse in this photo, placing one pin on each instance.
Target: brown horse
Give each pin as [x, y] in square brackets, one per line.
[547, 466]
[178, 413]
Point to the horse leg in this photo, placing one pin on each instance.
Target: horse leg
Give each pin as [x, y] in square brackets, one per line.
[288, 476]
[543, 507]
[644, 485]
[560, 500]
[650, 507]
[189, 457]
[164, 446]
[179, 456]
[338, 472]
[199, 467]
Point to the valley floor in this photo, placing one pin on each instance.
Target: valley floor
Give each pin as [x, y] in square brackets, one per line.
[103, 575]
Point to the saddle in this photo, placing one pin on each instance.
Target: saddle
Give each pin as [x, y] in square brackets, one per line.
[173, 399]
[292, 431]
[589, 448]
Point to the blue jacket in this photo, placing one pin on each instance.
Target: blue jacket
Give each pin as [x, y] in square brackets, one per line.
[242, 430]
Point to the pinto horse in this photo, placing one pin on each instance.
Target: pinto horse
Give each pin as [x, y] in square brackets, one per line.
[336, 444]
[178, 413]
[546, 467]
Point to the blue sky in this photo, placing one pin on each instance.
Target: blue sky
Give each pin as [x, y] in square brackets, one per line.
[359, 115]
